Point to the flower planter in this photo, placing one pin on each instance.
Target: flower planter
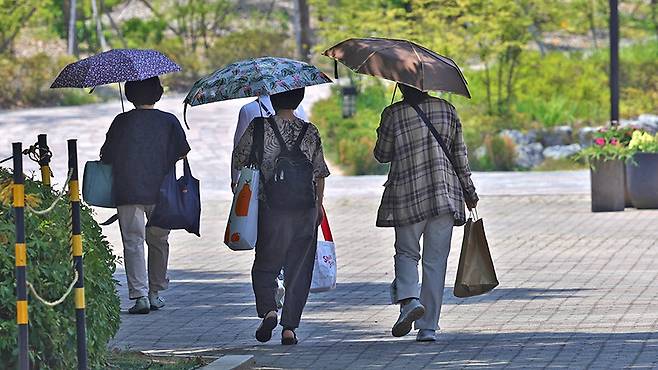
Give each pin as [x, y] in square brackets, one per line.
[627, 192]
[607, 184]
[643, 180]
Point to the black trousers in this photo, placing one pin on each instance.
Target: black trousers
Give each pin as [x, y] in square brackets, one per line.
[286, 239]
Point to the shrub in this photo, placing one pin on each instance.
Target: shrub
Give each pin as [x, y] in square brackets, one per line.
[52, 330]
[26, 82]
[500, 154]
[349, 142]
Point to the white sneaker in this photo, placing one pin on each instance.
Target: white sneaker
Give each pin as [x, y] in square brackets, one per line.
[409, 313]
[156, 301]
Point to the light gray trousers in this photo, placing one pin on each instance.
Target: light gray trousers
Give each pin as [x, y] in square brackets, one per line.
[436, 233]
[133, 234]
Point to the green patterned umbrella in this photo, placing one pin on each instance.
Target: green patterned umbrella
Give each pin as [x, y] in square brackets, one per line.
[254, 77]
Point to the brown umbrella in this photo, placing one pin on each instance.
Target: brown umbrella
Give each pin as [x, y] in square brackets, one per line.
[401, 61]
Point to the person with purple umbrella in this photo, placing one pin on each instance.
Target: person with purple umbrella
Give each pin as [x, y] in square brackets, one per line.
[143, 145]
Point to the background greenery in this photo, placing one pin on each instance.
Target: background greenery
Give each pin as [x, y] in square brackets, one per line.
[530, 64]
[52, 330]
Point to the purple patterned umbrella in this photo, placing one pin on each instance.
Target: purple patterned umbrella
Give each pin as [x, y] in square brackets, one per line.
[117, 65]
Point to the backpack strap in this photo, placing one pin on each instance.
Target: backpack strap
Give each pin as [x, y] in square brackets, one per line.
[277, 134]
[302, 133]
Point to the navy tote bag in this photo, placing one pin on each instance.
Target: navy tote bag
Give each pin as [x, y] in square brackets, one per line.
[179, 202]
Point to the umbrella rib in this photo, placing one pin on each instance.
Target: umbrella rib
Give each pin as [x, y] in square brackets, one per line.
[422, 67]
[370, 56]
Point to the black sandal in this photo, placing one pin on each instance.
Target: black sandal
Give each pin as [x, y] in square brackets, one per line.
[264, 331]
[289, 341]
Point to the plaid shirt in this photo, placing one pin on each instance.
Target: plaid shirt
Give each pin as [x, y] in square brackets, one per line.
[421, 182]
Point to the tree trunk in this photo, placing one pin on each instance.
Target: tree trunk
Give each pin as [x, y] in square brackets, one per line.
[72, 44]
[117, 30]
[303, 30]
[99, 27]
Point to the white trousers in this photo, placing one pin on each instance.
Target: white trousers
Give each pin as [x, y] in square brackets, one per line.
[436, 233]
[133, 234]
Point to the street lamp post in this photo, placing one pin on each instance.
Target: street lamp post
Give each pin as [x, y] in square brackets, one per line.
[614, 63]
[349, 101]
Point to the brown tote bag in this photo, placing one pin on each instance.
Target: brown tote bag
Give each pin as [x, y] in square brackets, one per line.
[475, 274]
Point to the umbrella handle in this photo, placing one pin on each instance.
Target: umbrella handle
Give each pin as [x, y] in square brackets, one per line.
[394, 91]
[185, 115]
[121, 95]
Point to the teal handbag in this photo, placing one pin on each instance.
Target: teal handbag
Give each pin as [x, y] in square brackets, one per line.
[97, 185]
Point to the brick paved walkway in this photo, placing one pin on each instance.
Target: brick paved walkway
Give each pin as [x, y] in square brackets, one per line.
[578, 290]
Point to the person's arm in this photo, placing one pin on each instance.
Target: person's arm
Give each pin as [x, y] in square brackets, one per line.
[319, 186]
[463, 169]
[320, 171]
[107, 150]
[385, 146]
[242, 151]
[178, 145]
[245, 117]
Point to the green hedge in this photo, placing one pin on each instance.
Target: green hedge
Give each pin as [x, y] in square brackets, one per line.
[52, 330]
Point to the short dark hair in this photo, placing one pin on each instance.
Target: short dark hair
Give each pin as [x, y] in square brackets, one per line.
[412, 94]
[144, 92]
[287, 99]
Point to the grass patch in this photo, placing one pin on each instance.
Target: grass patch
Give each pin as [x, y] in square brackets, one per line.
[135, 360]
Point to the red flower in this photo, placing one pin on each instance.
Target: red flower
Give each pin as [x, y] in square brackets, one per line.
[599, 141]
[614, 141]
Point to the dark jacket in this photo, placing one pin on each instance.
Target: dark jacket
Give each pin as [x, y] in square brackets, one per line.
[142, 145]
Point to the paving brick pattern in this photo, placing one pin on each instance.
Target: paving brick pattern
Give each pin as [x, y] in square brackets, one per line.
[578, 290]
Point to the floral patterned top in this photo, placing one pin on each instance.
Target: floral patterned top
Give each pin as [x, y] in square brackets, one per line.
[311, 146]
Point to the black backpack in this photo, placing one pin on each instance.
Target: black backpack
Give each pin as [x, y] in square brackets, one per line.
[292, 185]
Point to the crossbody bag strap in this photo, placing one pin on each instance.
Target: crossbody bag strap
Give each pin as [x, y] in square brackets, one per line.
[442, 144]
[269, 113]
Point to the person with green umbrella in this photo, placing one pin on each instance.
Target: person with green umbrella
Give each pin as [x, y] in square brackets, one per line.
[287, 229]
[292, 172]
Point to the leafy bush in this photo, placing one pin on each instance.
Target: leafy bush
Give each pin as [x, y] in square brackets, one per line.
[250, 43]
[500, 155]
[52, 330]
[26, 82]
[349, 142]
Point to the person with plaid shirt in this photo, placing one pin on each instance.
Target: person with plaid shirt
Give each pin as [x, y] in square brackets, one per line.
[423, 196]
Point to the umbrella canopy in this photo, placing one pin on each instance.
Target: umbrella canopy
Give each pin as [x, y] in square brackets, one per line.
[254, 77]
[117, 65]
[401, 61]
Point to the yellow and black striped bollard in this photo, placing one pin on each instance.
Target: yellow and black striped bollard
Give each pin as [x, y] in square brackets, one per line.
[21, 258]
[76, 247]
[44, 159]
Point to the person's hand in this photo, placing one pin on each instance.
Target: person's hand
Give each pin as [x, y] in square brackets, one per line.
[471, 204]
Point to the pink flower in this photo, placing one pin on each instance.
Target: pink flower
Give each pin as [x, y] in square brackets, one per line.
[599, 141]
[614, 141]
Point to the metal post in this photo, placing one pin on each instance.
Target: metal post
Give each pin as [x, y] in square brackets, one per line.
[614, 63]
[44, 159]
[76, 247]
[21, 258]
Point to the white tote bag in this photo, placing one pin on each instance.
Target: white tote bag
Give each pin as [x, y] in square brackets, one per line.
[324, 269]
[242, 228]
